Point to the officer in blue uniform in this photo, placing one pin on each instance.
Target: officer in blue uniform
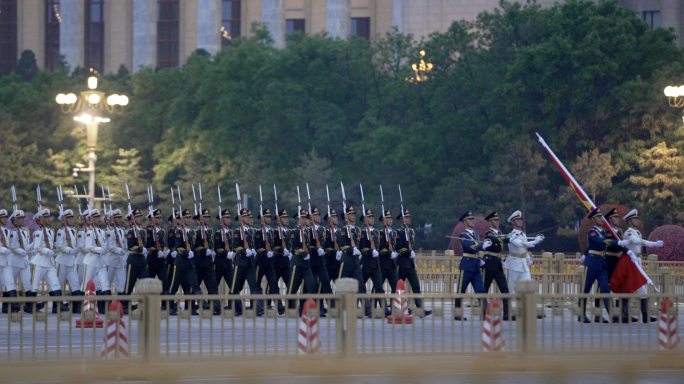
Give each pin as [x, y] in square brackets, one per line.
[594, 260]
[471, 262]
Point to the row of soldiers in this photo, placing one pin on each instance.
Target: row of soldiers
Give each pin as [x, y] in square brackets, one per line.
[309, 255]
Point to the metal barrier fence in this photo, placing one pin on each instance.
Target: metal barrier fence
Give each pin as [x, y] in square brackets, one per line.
[544, 323]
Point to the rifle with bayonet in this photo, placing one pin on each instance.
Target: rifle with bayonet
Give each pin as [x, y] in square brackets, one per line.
[344, 207]
[313, 225]
[80, 212]
[116, 230]
[60, 199]
[332, 226]
[42, 221]
[365, 220]
[299, 220]
[136, 232]
[180, 210]
[403, 222]
[263, 223]
[242, 227]
[280, 227]
[387, 233]
[150, 198]
[223, 226]
[92, 226]
[16, 208]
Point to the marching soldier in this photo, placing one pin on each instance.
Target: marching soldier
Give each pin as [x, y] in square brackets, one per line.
[300, 267]
[43, 246]
[281, 250]
[636, 241]
[350, 258]
[471, 262]
[493, 268]
[370, 261]
[224, 254]
[156, 242]
[595, 262]
[518, 261]
[317, 262]
[264, 257]
[405, 239]
[95, 247]
[171, 244]
[136, 265]
[332, 248]
[66, 247]
[204, 264]
[6, 275]
[612, 257]
[81, 251]
[244, 262]
[387, 245]
[184, 273]
[115, 257]
[20, 242]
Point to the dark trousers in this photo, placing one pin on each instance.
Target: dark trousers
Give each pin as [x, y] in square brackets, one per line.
[410, 275]
[297, 275]
[375, 276]
[133, 273]
[392, 276]
[242, 274]
[159, 269]
[271, 281]
[207, 275]
[593, 274]
[611, 264]
[500, 278]
[281, 269]
[333, 267]
[322, 282]
[354, 272]
[474, 278]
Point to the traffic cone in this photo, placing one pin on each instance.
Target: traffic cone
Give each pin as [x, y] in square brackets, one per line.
[89, 310]
[492, 338]
[669, 338]
[400, 304]
[115, 342]
[308, 340]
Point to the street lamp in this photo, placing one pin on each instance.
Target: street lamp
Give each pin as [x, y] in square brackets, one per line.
[675, 96]
[421, 69]
[89, 107]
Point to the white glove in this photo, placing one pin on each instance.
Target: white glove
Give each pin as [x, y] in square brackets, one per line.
[66, 250]
[413, 254]
[174, 254]
[320, 251]
[538, 239]
[394, 255]
[290, 257]
[307, 257]
[49, 252]
[71, 251]
[144, 251]
[482, 263]
[286, 252]
[633, 257]
[213, 254]
[191, 254]
[95, 250]
[103, 250]
[649, 281]
[269, 254]
[230, 255]
[120, 251]
[487, 243]
[658, 243]
[23, 252]
[4, 251]
[208, 252]
[166, 253]
[160, 255]
[635, 241]
[529, 261]
[375, 253]
[356, 252]
[582, 259]
[623, 242]
[338, 255]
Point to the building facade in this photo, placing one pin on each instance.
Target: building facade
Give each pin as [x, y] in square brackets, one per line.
[106, 34]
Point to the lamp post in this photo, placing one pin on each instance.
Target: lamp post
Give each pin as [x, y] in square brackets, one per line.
[89, 107]
[420, 70]
[675, 96]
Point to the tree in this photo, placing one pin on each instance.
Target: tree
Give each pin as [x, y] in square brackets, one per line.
[27, 67]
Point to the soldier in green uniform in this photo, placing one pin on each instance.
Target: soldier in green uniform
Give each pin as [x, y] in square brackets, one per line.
[223, 262]
[244, 260]
[493, 268]
[281, 250]
[317, 262]
[185, 274]
[407, 267]
[300, 267]
[204, 263]
[370, 261]
[613, 254]
[263, 242]
[136, 265]
[172, 253]
[350, 259]
[387, 245]
[156, 241]
[332, 236]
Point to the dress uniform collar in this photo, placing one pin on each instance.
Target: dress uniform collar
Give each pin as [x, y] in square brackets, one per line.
[470, 231]
[495, 230]
[598, 229]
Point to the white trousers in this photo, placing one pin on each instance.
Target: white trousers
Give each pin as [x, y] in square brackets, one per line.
[6, 279]
[50, 276]
[514, 276]
[118, 277]
[70, 274]
[97, 275]
[25, 275]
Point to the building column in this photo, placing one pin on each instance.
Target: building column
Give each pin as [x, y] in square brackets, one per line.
[144, 33]
[31, 29]
[670, 14]
[118, 35]
[398, 15]
[338, 18]
[209, 25]
[273, 17]
[72, 32]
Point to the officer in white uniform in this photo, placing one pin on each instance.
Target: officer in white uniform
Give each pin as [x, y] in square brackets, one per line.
[43, 247]
[636, 241]
[115, 258]
[20, 244]
[66, 246]
[81, 251]
[518, 262]
[6, 276]
[95, 248]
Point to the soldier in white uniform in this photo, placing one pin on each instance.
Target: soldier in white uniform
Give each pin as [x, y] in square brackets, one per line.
[95, 248]
[46, 268]
[66, 246]
[115, 258]
[20, 244]
[519, 261]
[6, 276]
[636, 241]
[80, 249]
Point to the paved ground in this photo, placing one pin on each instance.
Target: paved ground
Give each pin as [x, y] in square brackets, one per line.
[217, 336]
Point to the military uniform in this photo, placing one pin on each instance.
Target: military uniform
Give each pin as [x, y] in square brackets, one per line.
[387, 245]
[471, 263]
[405, 239]
[244, 260]
[6, 276]
[136, 264]
[223, 262]
[300, 270]
[155, 244]
[171, 244]
[332, 240]
[115, 258]
[493, 268]
[19, 262]
[204, 263]
[518, 261]
[263, 243]
[350, 259]
[44, 261]
[184, 274]
[318, 262]
[281, 251]
[370, 259]
[94, 265]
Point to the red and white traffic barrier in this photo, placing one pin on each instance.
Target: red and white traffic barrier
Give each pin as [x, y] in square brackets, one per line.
[492, 338]
[400, 304]
[669, 338]
[89, 307]
[308, 340]
[115, 342]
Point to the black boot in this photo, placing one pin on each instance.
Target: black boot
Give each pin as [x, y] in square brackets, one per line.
[644, 312]
[102, 305]
[4, 303]
[173, 309]
[76, 305]
[16, 307]
[63, 307]
[583, 318]
[217, 307]
[28, 306]
[419, 304]
[367, 308]
[54, 303]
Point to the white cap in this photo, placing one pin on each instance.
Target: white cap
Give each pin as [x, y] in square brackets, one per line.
[515, 215]
[17, 213]
[37, 216]
[114, 212]
[3, 212]
[65, 213]
[632, 214]
[93, 212]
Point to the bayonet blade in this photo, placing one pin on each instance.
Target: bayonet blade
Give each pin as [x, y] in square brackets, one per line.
[327, 192]
[363, 201]
[275, 193]
[194, 198]
[309, 196]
